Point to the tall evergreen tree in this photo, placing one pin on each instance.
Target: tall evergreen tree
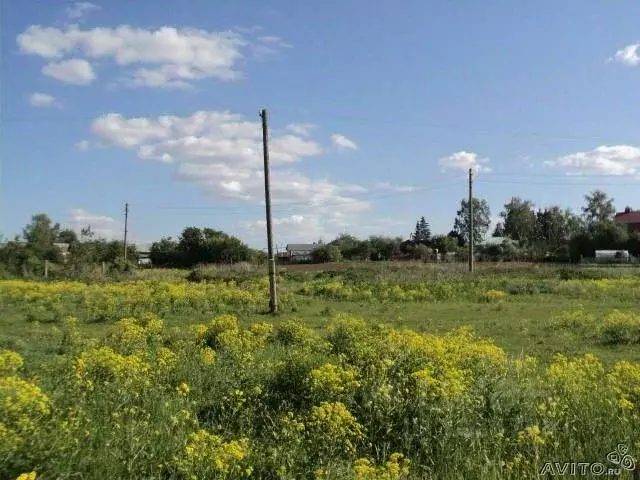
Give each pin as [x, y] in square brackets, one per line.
[422, 233]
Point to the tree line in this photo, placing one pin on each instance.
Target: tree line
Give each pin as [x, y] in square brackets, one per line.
[528, 234]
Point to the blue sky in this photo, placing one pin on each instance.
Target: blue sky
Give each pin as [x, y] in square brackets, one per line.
[377, 110]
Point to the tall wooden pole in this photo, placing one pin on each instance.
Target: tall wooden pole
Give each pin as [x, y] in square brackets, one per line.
[471, 220]
[126, 225]
[273, 295]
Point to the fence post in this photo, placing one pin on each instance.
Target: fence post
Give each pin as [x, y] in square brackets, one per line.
[46, 269]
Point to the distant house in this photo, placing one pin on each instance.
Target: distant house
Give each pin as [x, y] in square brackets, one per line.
[298, 252]
[612, 256]
[630, 218]
[496, 241]
[143, 251]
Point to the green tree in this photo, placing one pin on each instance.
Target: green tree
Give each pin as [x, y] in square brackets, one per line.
[384, 248]
[553, 230]
[164, 253]
[422, 233]
[444, 243]
[499, 230]
[599, 208]
[519, 220]
[351, 247]
[40, 236]
[67, 236]
[481, 220]
[326, 253]
[209, 246]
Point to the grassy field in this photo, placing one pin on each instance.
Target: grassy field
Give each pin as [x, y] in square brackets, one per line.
[376, 370]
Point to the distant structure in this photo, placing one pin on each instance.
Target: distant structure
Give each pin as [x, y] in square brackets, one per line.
[143, 250]
[612, 256]
[298, 252]
[630, 218]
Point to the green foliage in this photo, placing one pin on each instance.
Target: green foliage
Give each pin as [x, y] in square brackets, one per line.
[599, 208]
[164, 253]
[481, 220]
[444, 243]
[327, 253]
[519, 220]
[209, 246]
[352, 248]
[384, 248]
[422, 233]
[40, 236]
[621, 328]
[380, 403]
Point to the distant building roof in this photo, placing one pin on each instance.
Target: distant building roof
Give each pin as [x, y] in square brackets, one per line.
[301, 247]
[143, 247]
[496, 241]
[632, 216]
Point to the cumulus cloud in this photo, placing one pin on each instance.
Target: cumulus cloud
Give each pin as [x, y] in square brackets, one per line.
[627, 55]
[75, 71]
[464, 161]
[390, 187]
[603, 160]
[103, 226]
[79, 10]
[43, 100]
[220, 152]
[343, 143]
[301, 129]
[166, 57]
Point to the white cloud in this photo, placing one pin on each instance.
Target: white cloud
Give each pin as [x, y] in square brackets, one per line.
[464, 161]
[166, 57]
[343, 143]
[390, 187]
[80, 9]
[302, 129]
[103, 226]
[43, 100]
[304, 227]
[221, 152]
[75, 71]
[605, 160]
[628, 55]
[273, 40]
[82, 145]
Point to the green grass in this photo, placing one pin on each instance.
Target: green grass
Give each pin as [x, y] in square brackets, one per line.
[455, 405]
[520, 325]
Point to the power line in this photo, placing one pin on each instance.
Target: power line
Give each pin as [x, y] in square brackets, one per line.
[563, 184]
[295, 205]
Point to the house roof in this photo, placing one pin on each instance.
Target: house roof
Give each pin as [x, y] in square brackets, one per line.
[496, 241]
[301, 246]
[628, 217]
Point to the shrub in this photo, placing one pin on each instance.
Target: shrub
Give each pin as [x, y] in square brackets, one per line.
[621, 328]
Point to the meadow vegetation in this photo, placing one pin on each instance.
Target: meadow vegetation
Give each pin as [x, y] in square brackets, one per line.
[377, 372]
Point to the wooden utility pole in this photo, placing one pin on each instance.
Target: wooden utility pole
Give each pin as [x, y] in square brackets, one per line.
[470, 220]
[126, 225]
[273, 295]
[46, 269]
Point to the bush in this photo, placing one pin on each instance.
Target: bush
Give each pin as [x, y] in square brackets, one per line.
[621, 328]
[326, 254]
